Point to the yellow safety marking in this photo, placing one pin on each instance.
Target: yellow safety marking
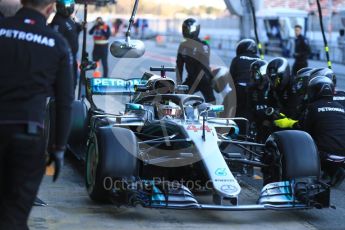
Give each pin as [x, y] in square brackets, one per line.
[327, 49]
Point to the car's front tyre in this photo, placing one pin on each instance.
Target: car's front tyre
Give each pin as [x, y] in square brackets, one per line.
[111, 156]
[290, 154]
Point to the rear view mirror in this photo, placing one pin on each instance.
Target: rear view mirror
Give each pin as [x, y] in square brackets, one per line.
[134, 107]
[216, 108]
[127, 49]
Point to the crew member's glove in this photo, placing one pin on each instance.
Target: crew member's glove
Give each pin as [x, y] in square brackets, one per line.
[285, 123]
[56, 156]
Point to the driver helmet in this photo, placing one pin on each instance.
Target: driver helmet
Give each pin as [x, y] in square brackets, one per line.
[65, 7]
[278, 72]
[246, 46]
[258, 71]
[320, 87]
[191, 28]
[169, 109]
[325, 72]
[302, 79]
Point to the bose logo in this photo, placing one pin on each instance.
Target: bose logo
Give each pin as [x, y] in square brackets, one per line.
[330, 109]
[29, 37]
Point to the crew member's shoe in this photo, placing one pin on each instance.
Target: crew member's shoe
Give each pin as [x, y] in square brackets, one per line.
[39, 202]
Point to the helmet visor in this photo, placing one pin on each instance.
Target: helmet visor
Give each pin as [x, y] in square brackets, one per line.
[300, 86]
[275, 78]
[256, 76]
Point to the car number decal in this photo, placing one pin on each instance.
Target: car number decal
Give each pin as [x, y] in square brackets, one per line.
[196, 129]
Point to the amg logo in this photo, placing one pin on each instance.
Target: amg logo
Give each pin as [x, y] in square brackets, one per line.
[29, 37]
[330, 109]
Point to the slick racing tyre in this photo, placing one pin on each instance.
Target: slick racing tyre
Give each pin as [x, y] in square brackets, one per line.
[78, 125]
[290, 154]
[111, 156]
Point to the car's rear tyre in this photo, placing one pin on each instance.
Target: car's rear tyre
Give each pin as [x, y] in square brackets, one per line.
[78, 125]
[290, 154]
[111, 156]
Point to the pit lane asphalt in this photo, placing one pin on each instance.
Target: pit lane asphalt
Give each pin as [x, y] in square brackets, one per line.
[70, 208]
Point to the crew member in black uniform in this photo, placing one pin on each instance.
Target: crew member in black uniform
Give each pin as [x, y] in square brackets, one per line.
[35, 63]
[258, 100]
[101, 33]
[282, 94]
[246, 54]
[324, 120]
[302, 51]
[64, 24]
[195, 55]
[300, 85]
[339, 95]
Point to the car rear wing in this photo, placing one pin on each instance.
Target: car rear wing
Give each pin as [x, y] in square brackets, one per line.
[114, 86]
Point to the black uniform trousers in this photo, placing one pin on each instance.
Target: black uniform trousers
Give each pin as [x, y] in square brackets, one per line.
[22, 166]
[242, 107]
[100, 53]
[204, 86]
[76, 72]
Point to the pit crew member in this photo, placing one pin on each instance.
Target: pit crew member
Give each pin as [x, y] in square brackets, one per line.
[324, 120]
[246, 54]
[36, 62]
[194, 54]
[64, 24]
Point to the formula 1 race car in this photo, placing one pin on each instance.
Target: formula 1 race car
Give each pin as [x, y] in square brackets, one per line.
[168, 145]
